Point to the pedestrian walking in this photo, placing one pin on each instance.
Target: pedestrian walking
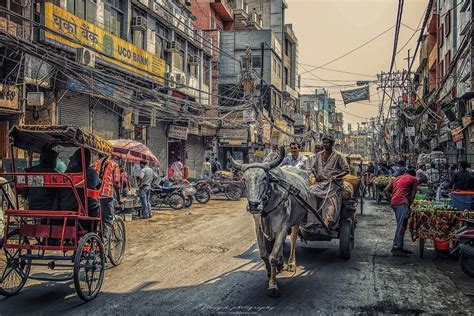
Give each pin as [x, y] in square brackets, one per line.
[177, 167]
[403, 190]
[145, 180]
[216, 166]
[206, 168]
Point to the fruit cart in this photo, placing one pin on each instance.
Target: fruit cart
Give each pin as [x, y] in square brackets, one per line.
[380, 184]
[435, 221]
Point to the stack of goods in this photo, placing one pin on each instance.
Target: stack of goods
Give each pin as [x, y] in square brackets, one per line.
[354, 182]
[437, 221]
[382, 180]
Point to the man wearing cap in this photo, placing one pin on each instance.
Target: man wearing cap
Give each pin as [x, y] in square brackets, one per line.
[329, 167]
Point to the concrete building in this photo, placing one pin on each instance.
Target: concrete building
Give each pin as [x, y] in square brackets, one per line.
[149, 43]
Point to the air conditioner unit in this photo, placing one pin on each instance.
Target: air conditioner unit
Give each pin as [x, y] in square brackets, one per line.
[181, 79]
[139, 23]
[173, 46]
[171, 80]
[34, 98]
[85, 56]
[194, 60]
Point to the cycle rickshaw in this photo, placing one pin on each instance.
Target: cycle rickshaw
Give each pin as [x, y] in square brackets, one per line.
[56, 239]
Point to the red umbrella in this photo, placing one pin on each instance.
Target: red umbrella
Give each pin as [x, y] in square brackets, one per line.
[131, 150]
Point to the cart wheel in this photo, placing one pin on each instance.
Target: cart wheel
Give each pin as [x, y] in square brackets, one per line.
[117, 241]
[233, 192]
[422, 247]
[467, 265]
[346, 238]
[16, 268]
[89, 267]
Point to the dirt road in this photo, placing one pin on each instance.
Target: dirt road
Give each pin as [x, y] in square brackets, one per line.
[205, 260]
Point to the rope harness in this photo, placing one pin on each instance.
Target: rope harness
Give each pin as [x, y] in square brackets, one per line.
[289, 190]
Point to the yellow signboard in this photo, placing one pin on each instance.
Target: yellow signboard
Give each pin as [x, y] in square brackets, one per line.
[110, 48]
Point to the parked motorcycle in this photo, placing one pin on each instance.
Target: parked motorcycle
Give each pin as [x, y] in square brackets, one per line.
[465, 246]
[172, 196]
[203, 192]
[232, 189]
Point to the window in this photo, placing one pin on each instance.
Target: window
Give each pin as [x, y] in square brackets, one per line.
[161, 40]
[287, 47]
[113, 17]
[286, 77]
[179, 60]
[441, 35]
[447, 22]
[279, 70]
[447, 60]
[83, 9]
[212, 24]
[206, 71]
[256, 62]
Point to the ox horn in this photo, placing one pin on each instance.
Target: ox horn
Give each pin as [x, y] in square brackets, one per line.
[234, 163]
[277, 161]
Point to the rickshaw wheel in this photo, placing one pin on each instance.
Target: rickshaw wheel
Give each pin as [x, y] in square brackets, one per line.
[89, 266]
[16, 268]
[422, 247]
[117, 241]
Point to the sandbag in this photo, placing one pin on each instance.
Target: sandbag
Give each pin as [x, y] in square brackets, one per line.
[355, 182]
[347, 190]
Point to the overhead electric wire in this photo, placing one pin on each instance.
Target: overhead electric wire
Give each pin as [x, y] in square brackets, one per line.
[350, 52]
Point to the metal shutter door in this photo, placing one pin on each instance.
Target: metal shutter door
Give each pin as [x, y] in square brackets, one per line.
[105, 121]
[158, 144]
[73, 109]
[195, 155]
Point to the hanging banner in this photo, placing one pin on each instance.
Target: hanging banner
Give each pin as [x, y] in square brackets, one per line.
[8, 97]
[109, 48]
[354, 95]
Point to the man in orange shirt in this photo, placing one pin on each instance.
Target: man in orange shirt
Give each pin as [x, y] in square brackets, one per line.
[109, 175]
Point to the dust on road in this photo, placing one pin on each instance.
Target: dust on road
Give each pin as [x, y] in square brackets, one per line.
[205, 260]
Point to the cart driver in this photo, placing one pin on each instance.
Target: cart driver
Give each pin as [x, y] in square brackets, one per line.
[329, 167]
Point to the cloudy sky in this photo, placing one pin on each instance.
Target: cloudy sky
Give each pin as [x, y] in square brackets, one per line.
[328, 29]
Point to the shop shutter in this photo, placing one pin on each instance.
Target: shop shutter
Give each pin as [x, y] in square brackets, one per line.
[106, 120]
[158, 144]
[195, 155]
[73, 109]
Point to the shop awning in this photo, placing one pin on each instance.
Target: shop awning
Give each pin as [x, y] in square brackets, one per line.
[133, 151]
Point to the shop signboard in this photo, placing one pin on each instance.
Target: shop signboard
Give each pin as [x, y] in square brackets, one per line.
[193, 128]
[178, 132]
[225, 133]
[248, 116]
[466, 120]
[8, 97]
[457, 134]
[72, 32]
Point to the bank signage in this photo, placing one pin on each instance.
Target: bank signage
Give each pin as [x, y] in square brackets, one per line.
[109, 48]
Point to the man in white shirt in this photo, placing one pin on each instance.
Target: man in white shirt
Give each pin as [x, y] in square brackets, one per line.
[295, 159]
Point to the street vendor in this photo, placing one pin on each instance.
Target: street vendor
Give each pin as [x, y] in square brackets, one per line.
[463, 179]
[329, 166]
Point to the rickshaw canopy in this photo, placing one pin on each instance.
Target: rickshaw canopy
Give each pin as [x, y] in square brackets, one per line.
[37, 138]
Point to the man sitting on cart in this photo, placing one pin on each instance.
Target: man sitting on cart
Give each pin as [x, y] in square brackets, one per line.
[329, 167]
[295, 159]
[40, 198]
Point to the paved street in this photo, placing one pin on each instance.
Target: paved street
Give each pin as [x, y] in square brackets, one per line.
[204, 260]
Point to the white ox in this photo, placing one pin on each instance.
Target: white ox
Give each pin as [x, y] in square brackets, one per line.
[274, 211]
